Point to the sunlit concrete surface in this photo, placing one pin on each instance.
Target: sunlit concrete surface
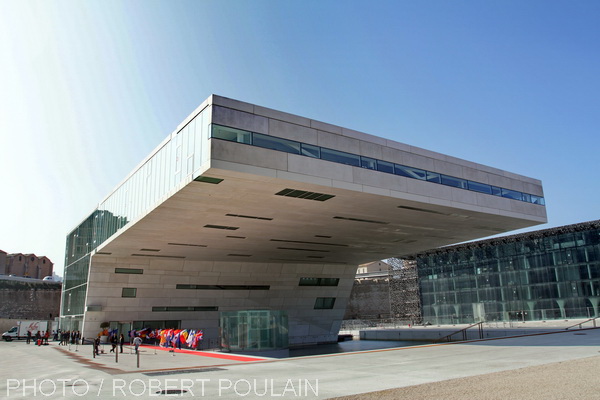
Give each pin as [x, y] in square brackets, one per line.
[33, 370]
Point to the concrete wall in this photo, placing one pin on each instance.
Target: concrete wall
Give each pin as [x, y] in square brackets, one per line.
[253, 118]
[157, 287]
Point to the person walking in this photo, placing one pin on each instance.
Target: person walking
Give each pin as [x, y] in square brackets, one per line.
[28, 336]
[113, 342]
[121, 341]
[137, 341]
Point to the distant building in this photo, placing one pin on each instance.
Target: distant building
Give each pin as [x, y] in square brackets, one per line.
[385, 290]
[373, 268]
[26, 265]
[546, 274]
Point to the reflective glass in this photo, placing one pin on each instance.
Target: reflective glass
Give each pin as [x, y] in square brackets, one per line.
[322, 303]
[369, 163]
[533, 278]
[409, 172]
[311, 151]
[433, 177]
[512, 194]
[537, 200]
[455, 182]
[274, 143]
[480, 187]
[340, 157]
[385, 166]
[231, 134]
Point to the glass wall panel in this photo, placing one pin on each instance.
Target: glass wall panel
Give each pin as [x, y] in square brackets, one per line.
[231, 134]
[311, 151]
[340, 157]
[434, 177]
[521, 279]
[369, 163]
[274, 143]
[254, 330]
[171, 163]
[409, 172]
[385, 166]
[512, 194]
[455, 182]
[480, 187]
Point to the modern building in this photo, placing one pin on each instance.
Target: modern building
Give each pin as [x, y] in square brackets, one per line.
[244, 208]
[547, 274]
[26, 265]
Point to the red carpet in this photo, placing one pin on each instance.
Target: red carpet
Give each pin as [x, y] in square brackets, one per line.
[224, 356]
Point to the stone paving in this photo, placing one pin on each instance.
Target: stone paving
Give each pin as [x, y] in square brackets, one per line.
[58, 372]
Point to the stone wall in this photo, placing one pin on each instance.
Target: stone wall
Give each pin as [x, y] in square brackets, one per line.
[370, 299]
[29, 300]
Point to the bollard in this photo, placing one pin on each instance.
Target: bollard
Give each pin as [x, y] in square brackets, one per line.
[117, 355]
[138, 358]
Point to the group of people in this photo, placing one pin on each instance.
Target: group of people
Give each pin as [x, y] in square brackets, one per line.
[66, 337]
[39, 338]
[114, 341]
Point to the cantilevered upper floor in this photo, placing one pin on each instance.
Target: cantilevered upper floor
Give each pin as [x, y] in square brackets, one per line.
[236, 181]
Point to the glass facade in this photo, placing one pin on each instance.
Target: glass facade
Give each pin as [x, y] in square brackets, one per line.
[549, 274]
[175, 161]
[254, 330]
[340, 157]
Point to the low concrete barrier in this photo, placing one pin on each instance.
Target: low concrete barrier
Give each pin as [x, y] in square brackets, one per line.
[431, 334]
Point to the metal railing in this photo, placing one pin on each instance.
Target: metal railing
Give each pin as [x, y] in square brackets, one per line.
[593, 320]
[448, 338]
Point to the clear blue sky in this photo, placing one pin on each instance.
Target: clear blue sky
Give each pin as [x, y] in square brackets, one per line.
[89, 88]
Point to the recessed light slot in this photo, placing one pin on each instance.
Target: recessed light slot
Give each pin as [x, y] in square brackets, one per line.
[303, 242]
[362, 220]
[422, 210]
[155, 255]
[188, 244]
[298, 249]
[249, 217]
[230, 228]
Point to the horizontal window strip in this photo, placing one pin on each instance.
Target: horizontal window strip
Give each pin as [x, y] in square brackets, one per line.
[340, 157]
[222, 287]
[184, 308]
[129, 271]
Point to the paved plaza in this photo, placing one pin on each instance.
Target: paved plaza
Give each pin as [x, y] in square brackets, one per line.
[55, 371]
